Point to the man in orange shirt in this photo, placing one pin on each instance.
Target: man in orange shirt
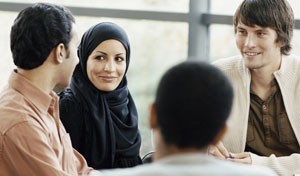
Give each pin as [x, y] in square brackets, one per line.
[33, 140]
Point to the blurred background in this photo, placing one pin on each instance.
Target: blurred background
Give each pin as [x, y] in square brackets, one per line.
[161, 32]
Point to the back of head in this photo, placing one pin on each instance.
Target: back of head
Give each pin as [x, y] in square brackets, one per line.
[193, 102]
[36, 31]
[276, 14]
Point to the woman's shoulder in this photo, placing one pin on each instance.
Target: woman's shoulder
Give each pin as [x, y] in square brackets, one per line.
[68, 101]
[67, 96]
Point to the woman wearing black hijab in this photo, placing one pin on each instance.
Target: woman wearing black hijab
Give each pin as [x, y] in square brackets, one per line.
[97, 109]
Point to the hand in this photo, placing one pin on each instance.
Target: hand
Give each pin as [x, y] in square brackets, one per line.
[218, 151]
[243, 157]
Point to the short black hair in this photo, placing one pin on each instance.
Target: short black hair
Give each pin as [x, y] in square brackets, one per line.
[276, 14]
[193, 102]
[36, 31]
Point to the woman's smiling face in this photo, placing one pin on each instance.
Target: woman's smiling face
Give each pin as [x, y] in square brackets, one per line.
[106, 65]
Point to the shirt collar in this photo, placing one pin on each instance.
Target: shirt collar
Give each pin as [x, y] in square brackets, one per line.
[35, 95]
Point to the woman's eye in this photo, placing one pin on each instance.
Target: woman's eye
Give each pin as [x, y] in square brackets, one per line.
[99, 57]
[119, 59]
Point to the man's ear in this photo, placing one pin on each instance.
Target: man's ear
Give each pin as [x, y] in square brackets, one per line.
[220, 135]
[60, 53]
[280, 44]
[153, 116]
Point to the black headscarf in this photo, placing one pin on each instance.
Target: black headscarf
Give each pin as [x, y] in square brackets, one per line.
[112, 127]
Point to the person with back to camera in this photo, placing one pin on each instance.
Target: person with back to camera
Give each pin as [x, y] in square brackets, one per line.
[264, 122]
[193, 101]
[97, 109]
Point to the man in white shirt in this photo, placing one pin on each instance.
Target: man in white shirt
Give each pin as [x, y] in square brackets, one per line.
[264, 121]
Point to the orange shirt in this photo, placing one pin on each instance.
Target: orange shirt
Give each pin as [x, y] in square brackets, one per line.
[33, 140]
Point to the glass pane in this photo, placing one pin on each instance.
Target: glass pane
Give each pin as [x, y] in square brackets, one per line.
[224, 7]
[296, 43]
[229, 7]
[153, 5]
[222, 42]
[295, 4]
[6, 66]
